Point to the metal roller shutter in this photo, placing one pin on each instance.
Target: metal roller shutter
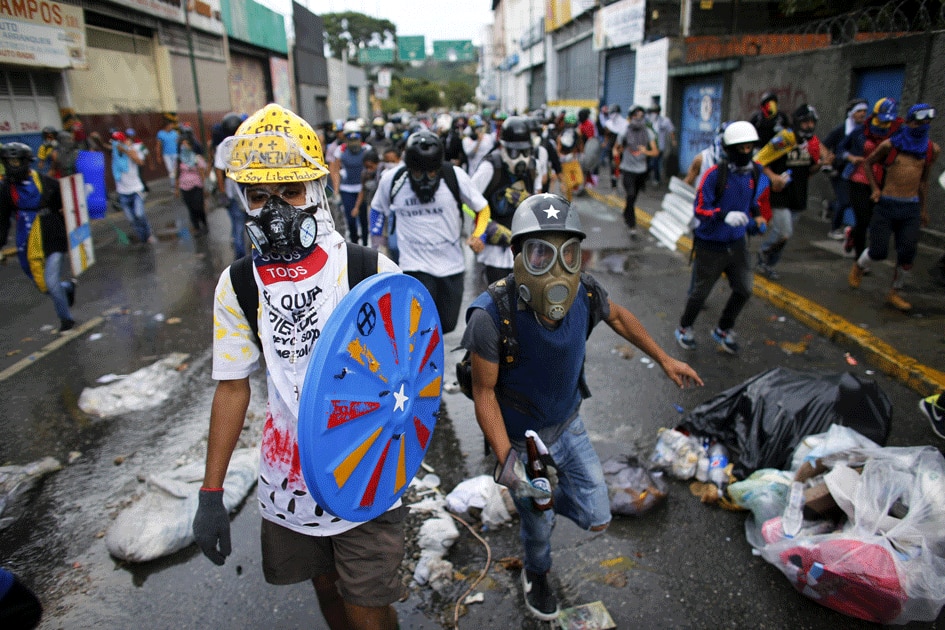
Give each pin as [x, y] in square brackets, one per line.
[536, 89]
[577, 71]
[619, 77]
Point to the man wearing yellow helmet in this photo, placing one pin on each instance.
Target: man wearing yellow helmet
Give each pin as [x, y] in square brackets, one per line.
[298, 270]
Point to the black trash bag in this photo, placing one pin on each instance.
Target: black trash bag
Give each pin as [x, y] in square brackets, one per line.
[762, 420]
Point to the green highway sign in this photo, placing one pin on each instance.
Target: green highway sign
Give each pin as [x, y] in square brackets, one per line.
[376, 56]
[411, 48]
[454, 50]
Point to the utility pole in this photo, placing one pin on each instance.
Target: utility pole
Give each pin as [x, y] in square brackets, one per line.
[193, 72]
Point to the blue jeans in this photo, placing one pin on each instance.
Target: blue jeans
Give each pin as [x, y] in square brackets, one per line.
[900, 218]
[780, 230]
[238, 224]
[357, 226]
[133, 205]
[52, 272]
[581, 496]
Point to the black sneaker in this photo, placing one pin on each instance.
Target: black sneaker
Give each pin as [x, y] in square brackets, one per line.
[539, 598]
[70, 291]
[933, 410]
[66, 325]
[726, 340]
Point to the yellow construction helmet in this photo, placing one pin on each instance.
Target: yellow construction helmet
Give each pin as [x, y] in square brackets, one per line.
[273, 146]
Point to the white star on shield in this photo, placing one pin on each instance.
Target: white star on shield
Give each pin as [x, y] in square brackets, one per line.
[551, 212]
[400, 399]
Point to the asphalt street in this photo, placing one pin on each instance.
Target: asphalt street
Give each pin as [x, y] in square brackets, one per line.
[683, 565]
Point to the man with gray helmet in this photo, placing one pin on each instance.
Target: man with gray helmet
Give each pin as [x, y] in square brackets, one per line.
[553, 308]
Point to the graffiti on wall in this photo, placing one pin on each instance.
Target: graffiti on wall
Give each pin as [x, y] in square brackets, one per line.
[789, 97]
[247, 84]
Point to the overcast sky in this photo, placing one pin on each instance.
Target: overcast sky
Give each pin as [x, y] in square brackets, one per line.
[436, 19]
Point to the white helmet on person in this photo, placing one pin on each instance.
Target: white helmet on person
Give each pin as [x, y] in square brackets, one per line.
[739, 132]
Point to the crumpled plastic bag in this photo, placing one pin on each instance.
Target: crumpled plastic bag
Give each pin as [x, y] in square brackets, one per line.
[633, 489]
[886, 564]
[676, 453]
[16, 481]
[146, 388]
[482, 493]
[161, 522]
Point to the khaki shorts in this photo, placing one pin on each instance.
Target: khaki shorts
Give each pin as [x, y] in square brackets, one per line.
[366, 558]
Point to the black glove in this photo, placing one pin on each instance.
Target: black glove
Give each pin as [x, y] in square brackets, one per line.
[212, 525]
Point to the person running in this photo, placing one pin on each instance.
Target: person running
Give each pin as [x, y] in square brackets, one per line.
[506, 178]
[554, 307]
[424, 197]
[352, 566]
[346, 178]
[789, 159]
[126, 160]
[35, 202]
[632, 148]
[854, 149]
[570, 146]
[900, 210]
[168, 139]
[229, 189]
[732, 199]
[191, 171]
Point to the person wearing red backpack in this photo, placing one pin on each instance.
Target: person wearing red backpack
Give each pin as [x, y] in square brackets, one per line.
[900, 198]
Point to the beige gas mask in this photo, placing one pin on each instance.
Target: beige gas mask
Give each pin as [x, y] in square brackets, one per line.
[548, 271]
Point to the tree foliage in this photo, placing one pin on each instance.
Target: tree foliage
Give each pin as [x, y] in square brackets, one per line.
[416, 95]
[363, 30]
[458, 93]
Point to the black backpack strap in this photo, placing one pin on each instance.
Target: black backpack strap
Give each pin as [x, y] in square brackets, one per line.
[449, 176]
[721, 180]
[595, 304]
[400, 178]
[495, 159]
[247, 294]
[503, 294]
[362, 263]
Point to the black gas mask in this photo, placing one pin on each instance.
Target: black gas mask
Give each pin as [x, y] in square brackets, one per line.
[282, 229]
[425, 186]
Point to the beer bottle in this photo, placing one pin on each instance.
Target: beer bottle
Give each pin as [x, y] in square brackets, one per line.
[537, 471]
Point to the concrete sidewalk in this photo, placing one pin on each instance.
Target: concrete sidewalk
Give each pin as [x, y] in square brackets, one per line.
[813, 289]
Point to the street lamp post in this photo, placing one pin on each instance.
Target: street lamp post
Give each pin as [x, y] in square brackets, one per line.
[193, 72]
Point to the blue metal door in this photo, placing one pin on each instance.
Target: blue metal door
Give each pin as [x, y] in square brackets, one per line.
[353, 102]
[701, 109]
[876, 83]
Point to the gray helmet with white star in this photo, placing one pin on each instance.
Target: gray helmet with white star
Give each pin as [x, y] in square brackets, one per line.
[544, 213]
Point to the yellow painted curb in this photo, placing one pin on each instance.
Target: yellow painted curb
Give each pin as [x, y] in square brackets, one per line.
[916, 376]
[60, 341]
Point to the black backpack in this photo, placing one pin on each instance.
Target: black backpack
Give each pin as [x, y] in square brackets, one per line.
[362, 263]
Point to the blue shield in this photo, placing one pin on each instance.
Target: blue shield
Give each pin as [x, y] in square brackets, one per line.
[371, 397]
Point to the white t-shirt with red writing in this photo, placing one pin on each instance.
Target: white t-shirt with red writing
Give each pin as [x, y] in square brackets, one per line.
[296, 298]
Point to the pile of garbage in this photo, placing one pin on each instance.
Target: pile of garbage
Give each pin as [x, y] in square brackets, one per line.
[854, 526]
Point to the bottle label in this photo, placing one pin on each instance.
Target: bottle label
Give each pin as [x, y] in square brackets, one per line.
[542, 484]
[718, 462]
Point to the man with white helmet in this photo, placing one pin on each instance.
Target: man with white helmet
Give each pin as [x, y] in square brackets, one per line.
[731, 202]
[296, 278]
[526, 336]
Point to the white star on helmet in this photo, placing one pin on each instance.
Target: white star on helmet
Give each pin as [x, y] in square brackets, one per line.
[551, 212]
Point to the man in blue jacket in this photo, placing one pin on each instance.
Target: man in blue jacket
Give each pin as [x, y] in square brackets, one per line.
[732, 201]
